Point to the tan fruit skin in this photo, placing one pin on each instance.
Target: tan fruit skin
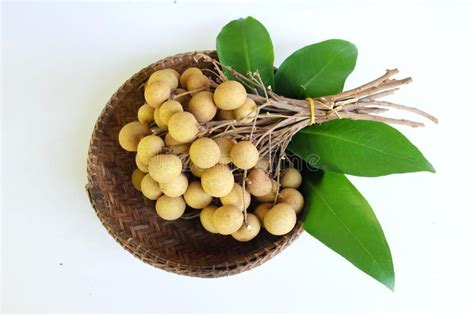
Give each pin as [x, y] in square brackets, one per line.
[183, 127]
[165, 76]
[149, 146]
[176, 187]
[292, 197]
[169, 208]
[217, 181]
[227, 219]
[179, 149]
[142, 167]
[168, 109]
[270, 197]
[204, 152]
[244, 155]
[291, 178]
[230, 95]
[156, 93]
[156, 118]
[131, 134]
[206, 218]
[145, 114]
[170, 141]
[196, 171]
[202, 106]
[280, 219]
[164, 167]
[262, 210]
[263, 164]
[225, 145]
[234, 198]
[247, 233]
[186, 74]
[137, 177]
[176, 73]
[247, 111]
[226, 115]
[198, 81]
[150, 188]
[183, 100]
[258, 182]
[196, 197]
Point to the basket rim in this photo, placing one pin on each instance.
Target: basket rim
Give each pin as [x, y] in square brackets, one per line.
[97, 200]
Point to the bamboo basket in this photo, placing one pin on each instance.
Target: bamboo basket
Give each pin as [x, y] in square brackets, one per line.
[180, 246]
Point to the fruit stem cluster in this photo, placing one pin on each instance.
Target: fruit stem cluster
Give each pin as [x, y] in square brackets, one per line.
[279, 118]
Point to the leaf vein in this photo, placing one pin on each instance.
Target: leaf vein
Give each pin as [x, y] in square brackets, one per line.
[316, 75]
[364, 146]
[347, 228]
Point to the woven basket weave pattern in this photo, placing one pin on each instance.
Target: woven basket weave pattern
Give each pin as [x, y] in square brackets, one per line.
[180, 246]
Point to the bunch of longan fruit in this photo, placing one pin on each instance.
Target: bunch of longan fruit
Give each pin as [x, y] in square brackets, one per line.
[170, 138]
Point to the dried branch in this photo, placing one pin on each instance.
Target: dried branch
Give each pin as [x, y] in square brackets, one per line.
[279, 118]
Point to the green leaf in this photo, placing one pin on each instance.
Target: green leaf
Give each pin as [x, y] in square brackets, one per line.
[316, 70]
[358, 147]
[245, 45]
[339, 216]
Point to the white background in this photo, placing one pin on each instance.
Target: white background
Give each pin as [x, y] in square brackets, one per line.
[60, 64]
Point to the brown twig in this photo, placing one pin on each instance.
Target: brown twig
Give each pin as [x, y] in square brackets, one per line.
[279, 118]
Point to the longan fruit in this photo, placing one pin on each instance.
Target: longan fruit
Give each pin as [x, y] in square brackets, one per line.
[179, 148]
[247, 233]
[156, 118]
[196, 197]
[291, 178]
[226, 115]
[258, 182]
[198, 81]
[183, 127]
[131, 134]
[230, 95]
[149, 146]
[164, 167]
[188, 73]
[165, 76]
[270, 197]
[150, 188]
[170, 141]
[175, 72]
[217, 181]
[168, 109]
[227, 219]
[202, 106]
[206, 218]
[293, 198]
[247, 111]
[234, 198]
[225, 145]
[176, 187]
[170, 208]
[280, 219]
[263, 164]
[204, 152]
[244, 155]
[137, 177]
[145, 114]
[156, 93]
[195, 170]
[184, 99]
[142, 167]
[262, 210]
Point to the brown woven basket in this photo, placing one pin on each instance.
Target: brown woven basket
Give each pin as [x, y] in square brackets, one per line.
[180, 246]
